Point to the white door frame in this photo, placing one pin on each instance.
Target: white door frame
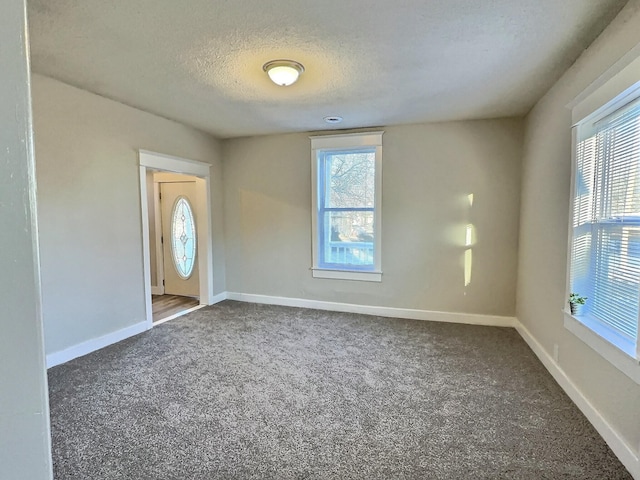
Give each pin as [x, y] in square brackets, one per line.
[160, 162]
[158, 288]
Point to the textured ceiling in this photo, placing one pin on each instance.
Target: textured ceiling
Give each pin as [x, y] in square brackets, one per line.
[372, 62]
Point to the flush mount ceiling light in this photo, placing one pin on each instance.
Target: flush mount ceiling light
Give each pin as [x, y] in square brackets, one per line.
[283, 72]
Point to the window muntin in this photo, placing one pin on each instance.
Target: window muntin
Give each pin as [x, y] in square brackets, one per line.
[183, 237]
[346, 220]
[605, 243]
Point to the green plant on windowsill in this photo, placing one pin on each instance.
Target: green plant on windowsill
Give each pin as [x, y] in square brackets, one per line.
[576, 301]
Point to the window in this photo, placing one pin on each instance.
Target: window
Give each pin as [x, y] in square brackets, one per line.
[346, 206]
[183, 237]
[604, 262]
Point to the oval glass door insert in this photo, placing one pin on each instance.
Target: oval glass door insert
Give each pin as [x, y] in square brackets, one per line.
[183, 237]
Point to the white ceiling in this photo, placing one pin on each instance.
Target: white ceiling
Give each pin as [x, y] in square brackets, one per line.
[373, 62]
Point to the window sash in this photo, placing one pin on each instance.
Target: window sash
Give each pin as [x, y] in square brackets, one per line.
[352, 255]
[345, 255]
[325, 177]
[613, 278]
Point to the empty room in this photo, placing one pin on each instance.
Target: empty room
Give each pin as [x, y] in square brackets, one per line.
[327, 240]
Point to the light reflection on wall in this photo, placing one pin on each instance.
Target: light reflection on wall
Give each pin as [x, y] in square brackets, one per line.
[469, 241]
[468, 265]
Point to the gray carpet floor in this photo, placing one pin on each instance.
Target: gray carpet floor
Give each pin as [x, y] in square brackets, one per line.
[244, 391]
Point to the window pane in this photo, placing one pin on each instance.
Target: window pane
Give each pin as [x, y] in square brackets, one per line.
[618, 168]
[617, 277]
[583, 212]
[348, 238]
[351, 179]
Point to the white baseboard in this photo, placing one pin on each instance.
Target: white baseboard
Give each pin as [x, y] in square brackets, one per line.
[84, 348]
[157, 290]
[618, 445]
[62, 356]
[218, 298]
[468, 318]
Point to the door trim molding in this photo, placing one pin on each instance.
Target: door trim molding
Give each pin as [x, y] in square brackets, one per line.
[160, 162]
[158, 289]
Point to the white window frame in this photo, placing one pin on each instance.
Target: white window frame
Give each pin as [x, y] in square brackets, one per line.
[613, 90]
[350, 141]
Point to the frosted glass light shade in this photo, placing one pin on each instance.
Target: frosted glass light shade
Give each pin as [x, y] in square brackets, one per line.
[283, 72]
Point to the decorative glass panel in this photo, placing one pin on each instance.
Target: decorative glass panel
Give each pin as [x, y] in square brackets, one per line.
[183, 237]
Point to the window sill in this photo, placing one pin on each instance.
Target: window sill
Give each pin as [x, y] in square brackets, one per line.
[616, 350]
[347, 275]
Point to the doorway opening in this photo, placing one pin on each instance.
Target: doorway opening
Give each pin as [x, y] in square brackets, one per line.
[177, 240]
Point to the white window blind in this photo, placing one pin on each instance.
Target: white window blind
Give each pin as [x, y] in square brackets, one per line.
[605, 258]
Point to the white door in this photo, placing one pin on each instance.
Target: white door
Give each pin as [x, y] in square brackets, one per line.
[179, 244]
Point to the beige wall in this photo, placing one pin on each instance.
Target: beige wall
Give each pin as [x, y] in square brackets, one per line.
[89, 196]
[428, 172]
[543, 233]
